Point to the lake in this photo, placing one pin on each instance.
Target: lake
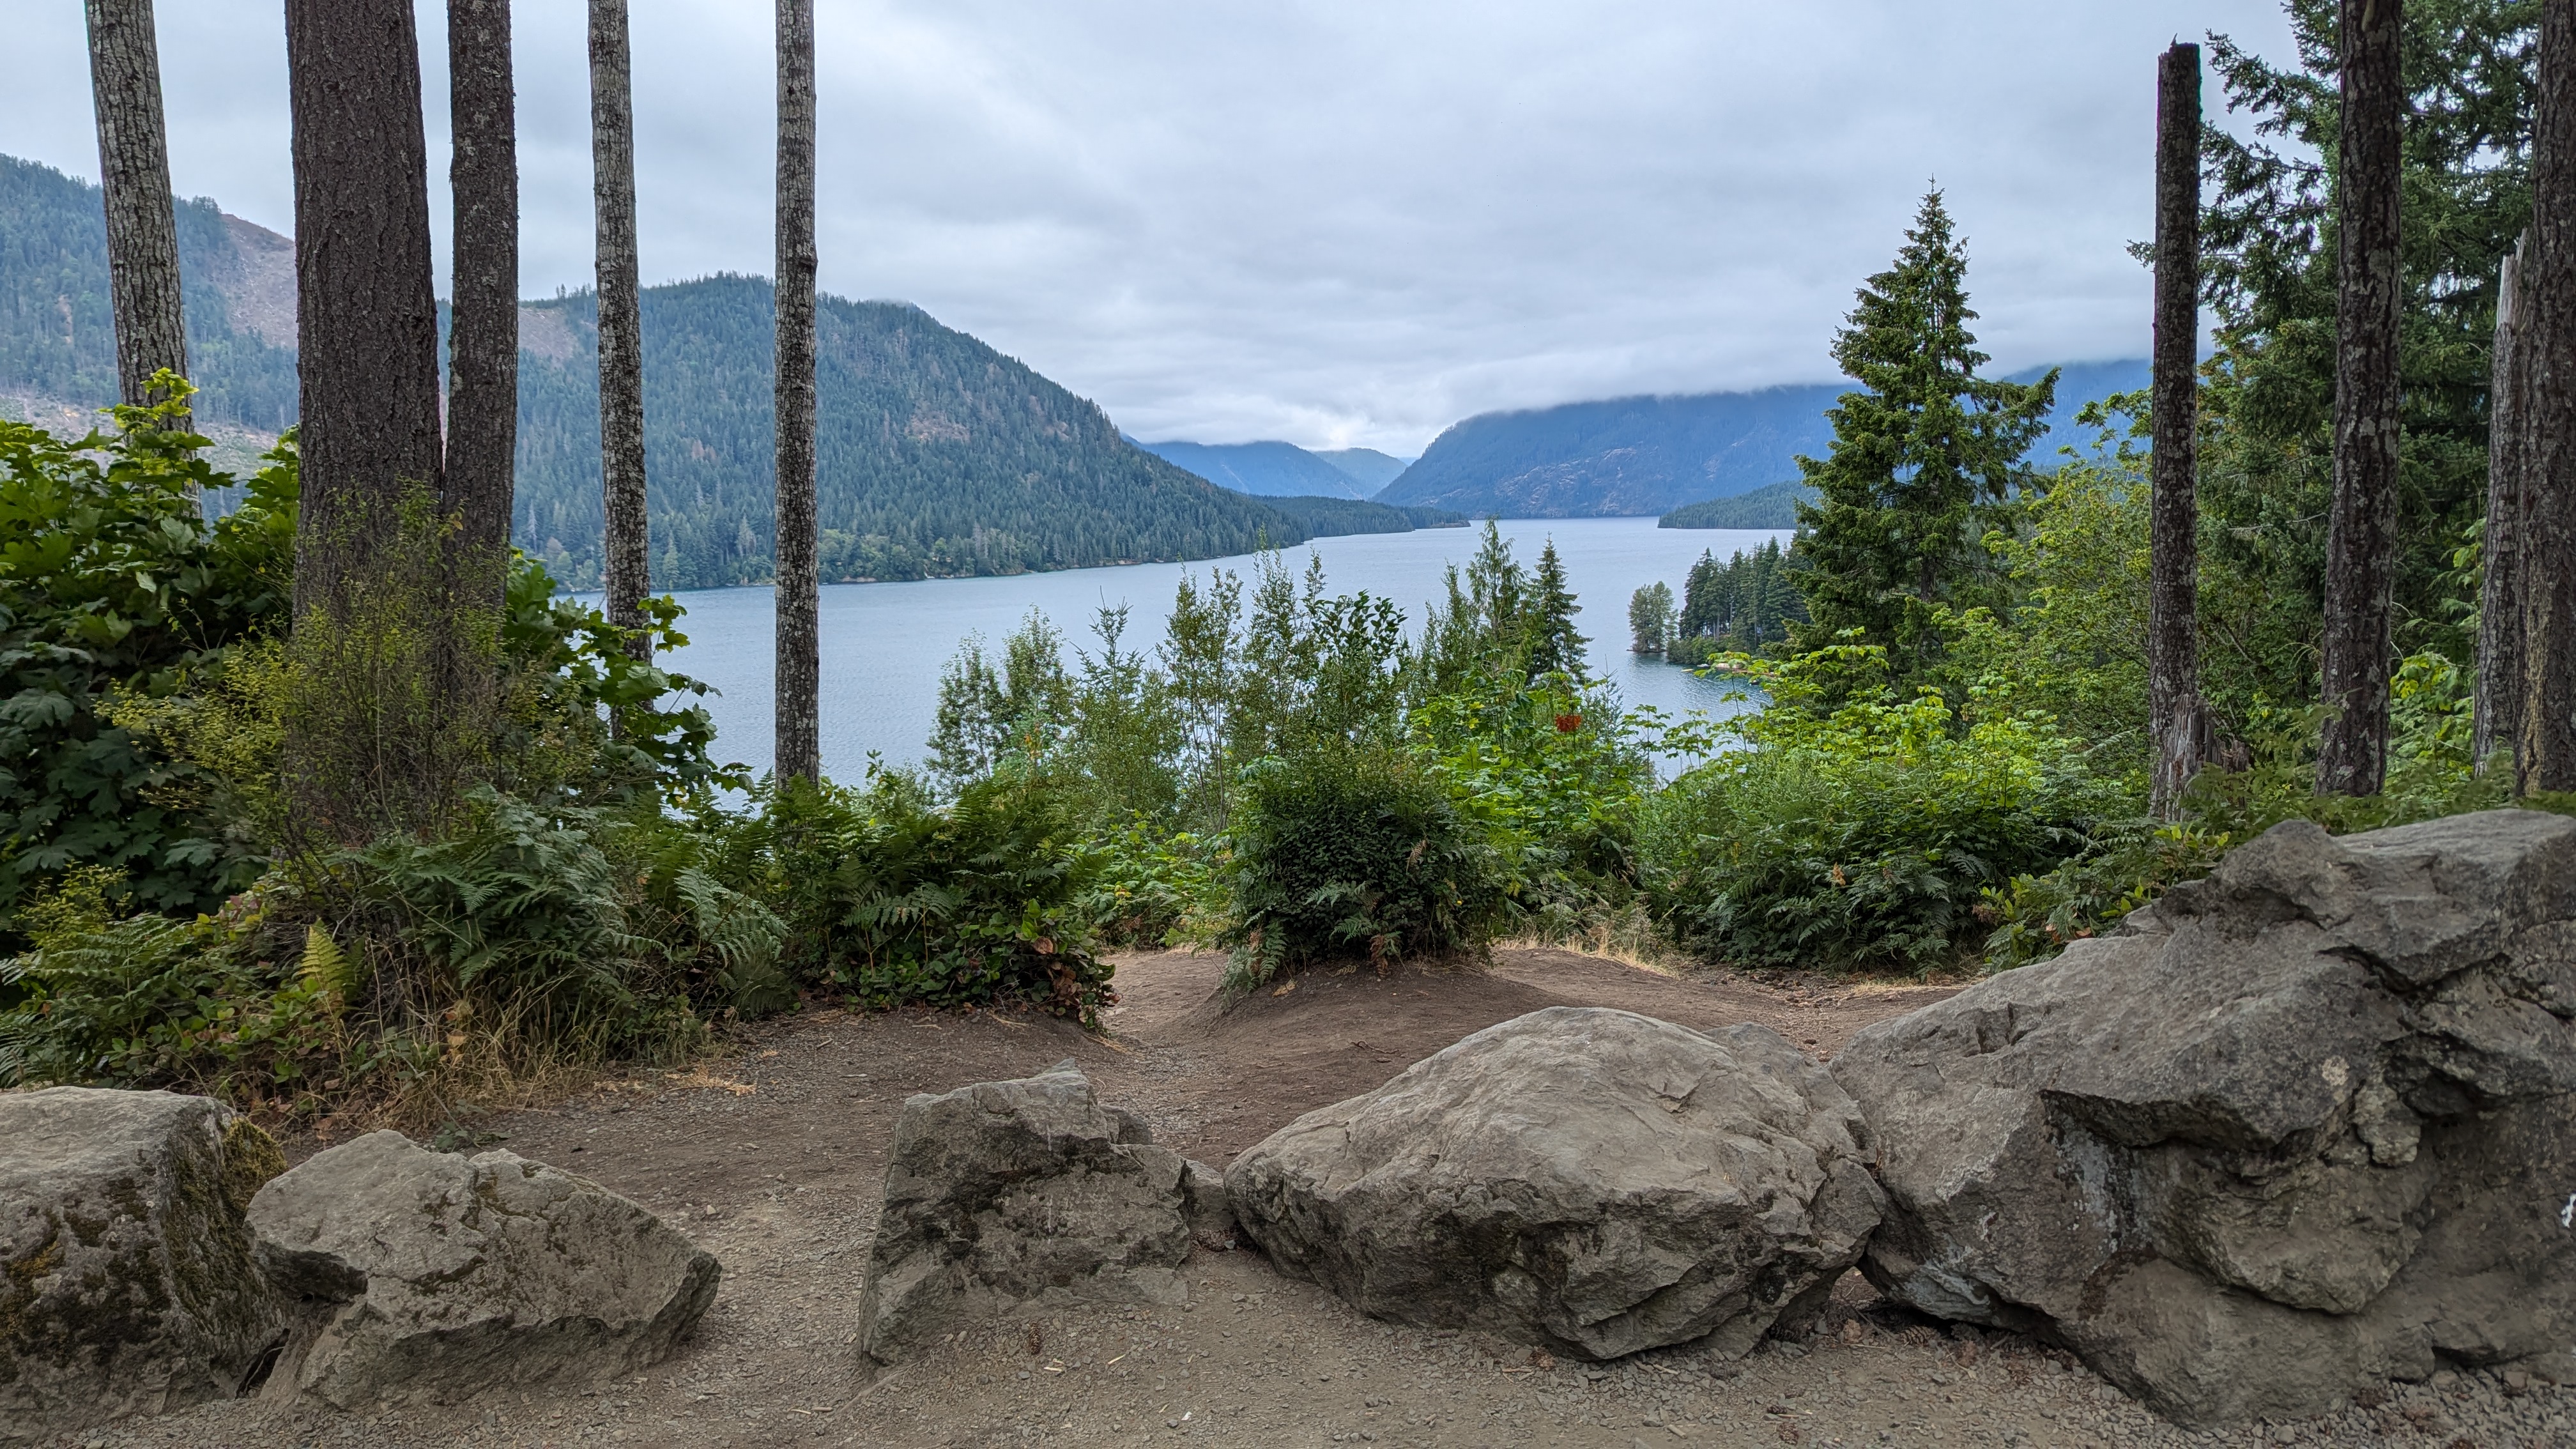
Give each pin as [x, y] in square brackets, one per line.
[883, 645]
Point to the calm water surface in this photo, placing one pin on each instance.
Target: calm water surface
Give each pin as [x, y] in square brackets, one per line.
[883, 644]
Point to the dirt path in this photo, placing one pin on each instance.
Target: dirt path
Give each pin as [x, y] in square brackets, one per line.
[774, 1161]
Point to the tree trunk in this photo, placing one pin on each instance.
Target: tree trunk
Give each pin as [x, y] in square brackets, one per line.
[2496, 720]
[621, 326]
[370, 738]
[799, 751]
[2361, 542]
[2180, 730]
[483, 335]
[2547, 759]
[134, 170]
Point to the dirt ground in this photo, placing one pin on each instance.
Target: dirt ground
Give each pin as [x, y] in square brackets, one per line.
[773, 1158]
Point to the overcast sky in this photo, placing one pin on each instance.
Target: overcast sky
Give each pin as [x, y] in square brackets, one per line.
[1341, 222]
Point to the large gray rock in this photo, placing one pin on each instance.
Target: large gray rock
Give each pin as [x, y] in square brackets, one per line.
[127, 1284]
[420, 1274]
[1005, 1194]
[2304, 1125]
[1593, 1180]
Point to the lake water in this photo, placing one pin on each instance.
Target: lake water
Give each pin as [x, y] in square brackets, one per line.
[883, 645]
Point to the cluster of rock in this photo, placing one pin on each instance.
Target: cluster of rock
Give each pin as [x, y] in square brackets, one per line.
[2301, 1126]
[2307, 1124]
[155, 1252]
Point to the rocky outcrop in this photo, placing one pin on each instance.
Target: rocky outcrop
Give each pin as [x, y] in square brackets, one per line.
[421, 1274]
[126, 1277]
[2306, 1124]
[1003, 1194]
[1593, 1180]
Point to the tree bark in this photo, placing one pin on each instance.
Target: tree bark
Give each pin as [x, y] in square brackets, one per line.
[2547, 759]
[621, 326]
[2496, 718]
[134, 171]
[799, 752]
[370, 738]
[2361, 543]
[483, 333]
[2179, 723]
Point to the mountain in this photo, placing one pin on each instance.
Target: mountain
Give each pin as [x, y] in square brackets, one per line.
[1373, 469]
[1334, 517]
[1265, 470]
[57, 336]
[1774, 505]
[935, 454]
[1650, 455]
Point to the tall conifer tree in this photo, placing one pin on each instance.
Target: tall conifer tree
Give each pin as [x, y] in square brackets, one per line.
[799, 666]
[621, 321]
[1554, 646]
[2354, 656]
[483, 338]
[2546, 758]
[134, 171]
[1915, 455]
[2176, 718]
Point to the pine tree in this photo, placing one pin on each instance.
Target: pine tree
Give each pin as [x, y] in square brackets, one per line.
[621, 321]
[798, 748]
[1917, 454]
[2355, 655]
[134, 172]
[1650, 618]
[483, 338]
[1554, 647]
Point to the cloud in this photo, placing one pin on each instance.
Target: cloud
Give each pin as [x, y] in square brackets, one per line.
[1344, 223]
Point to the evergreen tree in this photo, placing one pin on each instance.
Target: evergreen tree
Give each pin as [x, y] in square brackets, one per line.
[1554, 647]
[1917, 455]
[1650, 618]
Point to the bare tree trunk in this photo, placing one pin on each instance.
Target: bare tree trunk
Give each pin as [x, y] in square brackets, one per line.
[2496, 720]
[799, 750]
[134, 170]
[2547, 759]
[483, 337]
[621, 325]
[2179, 723]
[369, 739]
[2361, 541]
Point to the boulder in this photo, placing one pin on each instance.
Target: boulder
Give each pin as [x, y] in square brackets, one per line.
[1592, 1180]
[1006, 1194]
[2300, 1126]
[127, 1283]
[419, 1274]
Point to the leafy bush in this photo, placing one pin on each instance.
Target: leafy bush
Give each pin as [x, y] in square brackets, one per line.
[112, 584]
[1554, 773]
[1865, 836]
[1349, 851]
[1155, 890]
[2130, 862]
[526, 934]
[891, 897]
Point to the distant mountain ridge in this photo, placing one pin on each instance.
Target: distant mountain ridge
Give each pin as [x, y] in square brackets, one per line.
[57, 333]
[1625, 457]
[1265, 469]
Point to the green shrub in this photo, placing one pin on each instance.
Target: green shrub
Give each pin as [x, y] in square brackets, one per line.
[1155, 890]
[891, 897]
[2130, 862]
[111, 583]
[1554, 774]
[1863, 837]
[1353, 852]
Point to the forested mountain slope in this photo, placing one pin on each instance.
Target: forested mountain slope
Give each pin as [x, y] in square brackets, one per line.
[57, 341]
[1650, 455]
[1266, 469]
[936, 455]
